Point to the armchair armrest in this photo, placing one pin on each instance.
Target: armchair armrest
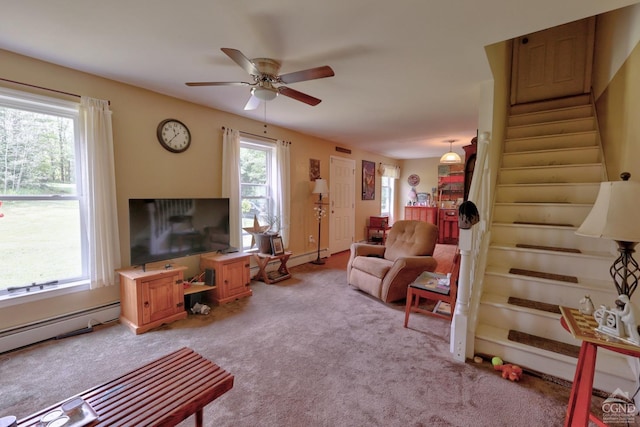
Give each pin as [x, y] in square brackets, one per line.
[364, 249]
[403, 272]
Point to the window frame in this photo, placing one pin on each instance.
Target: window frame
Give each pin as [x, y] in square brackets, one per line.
[390, 188]
[270, 150]
[40, 104]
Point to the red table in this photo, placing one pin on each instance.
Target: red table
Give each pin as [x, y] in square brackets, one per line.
[582, 328]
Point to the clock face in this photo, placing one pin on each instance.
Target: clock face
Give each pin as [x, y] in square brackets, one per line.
[174, 135]
[413, 180]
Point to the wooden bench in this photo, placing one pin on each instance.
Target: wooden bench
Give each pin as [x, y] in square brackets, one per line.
[161, 393]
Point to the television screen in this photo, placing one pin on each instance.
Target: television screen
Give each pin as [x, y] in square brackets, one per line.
[161, 229]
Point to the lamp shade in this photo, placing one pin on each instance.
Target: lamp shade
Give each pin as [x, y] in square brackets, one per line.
[450, 158]
[320, 187]
[264, 93]
[615, 213]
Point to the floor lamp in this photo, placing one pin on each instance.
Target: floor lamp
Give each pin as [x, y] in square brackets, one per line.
[320, 188]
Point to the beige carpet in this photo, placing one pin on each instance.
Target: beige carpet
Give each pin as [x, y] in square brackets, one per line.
[308, 351]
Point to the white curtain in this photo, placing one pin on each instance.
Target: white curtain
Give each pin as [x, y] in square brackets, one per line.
[283, 188]
[389, 171]
[231, 182]
[99, 176]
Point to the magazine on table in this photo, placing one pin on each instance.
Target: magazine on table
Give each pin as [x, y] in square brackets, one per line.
[443, 307]
[436, 281]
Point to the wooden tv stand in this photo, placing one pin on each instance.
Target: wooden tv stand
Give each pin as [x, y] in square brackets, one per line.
[232, 275]
[151, 298]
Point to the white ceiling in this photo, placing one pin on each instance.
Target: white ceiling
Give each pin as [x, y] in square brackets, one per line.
[408, 72]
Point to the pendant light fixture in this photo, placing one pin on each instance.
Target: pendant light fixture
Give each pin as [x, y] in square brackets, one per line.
[450, 157]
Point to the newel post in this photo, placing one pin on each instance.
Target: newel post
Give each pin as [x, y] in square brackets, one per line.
[468, 216]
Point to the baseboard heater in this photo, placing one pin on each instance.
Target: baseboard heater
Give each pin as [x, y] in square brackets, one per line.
[22, 336]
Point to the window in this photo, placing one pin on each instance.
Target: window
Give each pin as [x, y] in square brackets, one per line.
[41, 197]
[386, 196]
[257, 166]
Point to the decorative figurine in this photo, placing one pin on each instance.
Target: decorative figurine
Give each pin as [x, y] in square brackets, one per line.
[586, 305]
[628, 316]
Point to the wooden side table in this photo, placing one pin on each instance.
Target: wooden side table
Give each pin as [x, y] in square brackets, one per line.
[582, 327]
[382, 229]
[270, 277]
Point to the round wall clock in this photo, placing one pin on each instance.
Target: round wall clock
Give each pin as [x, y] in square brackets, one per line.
[413, 180]
[174, 135]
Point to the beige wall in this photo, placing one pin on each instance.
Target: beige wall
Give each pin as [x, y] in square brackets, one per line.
[426, 169]
[145, 169]
[618, 106]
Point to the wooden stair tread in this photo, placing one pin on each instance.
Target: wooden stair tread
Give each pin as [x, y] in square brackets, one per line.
[542, 275]
[543, 223]
[537, 305]
[544, 343]
[548, 248]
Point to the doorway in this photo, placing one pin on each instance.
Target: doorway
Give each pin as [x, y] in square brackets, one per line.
[553, 63]
[341, 203]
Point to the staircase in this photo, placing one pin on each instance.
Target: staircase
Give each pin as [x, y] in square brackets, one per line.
[549, 179]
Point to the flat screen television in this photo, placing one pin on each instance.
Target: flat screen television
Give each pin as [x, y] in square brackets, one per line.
[162, 229]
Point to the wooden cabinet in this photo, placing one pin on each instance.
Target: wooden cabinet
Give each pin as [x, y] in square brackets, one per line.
[448, 226]
[421, 213]
[232, 276]
[150, 298]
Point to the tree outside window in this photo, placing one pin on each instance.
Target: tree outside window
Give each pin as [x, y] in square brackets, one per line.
[256, 186]
[41, 226]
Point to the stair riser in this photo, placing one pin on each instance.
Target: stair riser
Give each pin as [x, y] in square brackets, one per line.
[549, 236]
[587, 139]
[552, 174]
[552, 128]
[551, 292]
[593, 268]
[558, 368]
[551, 116]
[547, 214]
[543, 193]
[552, 158]
[542, 326]
[550, 105]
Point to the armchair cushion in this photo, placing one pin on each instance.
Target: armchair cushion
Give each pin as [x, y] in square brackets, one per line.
[386, 271]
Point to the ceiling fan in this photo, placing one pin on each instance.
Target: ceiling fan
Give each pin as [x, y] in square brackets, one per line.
[265, 75]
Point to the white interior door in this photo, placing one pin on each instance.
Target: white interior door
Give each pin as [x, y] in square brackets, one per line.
[553, 63]
[341, 203]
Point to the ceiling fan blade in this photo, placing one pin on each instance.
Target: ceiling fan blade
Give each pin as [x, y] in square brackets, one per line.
[218, 84]
[252, 103]
[299, 96]
[310, 74]
[239, 58]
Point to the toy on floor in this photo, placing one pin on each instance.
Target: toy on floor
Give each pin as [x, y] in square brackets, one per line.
[509, 371]
[200, 309]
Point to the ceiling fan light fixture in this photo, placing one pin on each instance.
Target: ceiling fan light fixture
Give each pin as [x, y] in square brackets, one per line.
[450, 157]
[264, 94]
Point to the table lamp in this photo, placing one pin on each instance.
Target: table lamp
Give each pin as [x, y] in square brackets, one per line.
[320, 188]
[615, 216]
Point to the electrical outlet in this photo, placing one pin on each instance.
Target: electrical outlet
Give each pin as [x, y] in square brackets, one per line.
[312, 239]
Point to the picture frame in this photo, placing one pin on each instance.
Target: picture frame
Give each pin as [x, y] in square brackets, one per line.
[368, 180]
[314, 169]
[277, 247]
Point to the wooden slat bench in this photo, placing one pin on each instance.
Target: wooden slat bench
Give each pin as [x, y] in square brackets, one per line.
[161, 393]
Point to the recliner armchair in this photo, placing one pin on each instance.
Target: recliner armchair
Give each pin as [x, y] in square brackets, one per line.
[386, 271]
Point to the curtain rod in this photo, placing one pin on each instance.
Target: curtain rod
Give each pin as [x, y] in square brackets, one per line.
[44, 88]
[253, 134]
